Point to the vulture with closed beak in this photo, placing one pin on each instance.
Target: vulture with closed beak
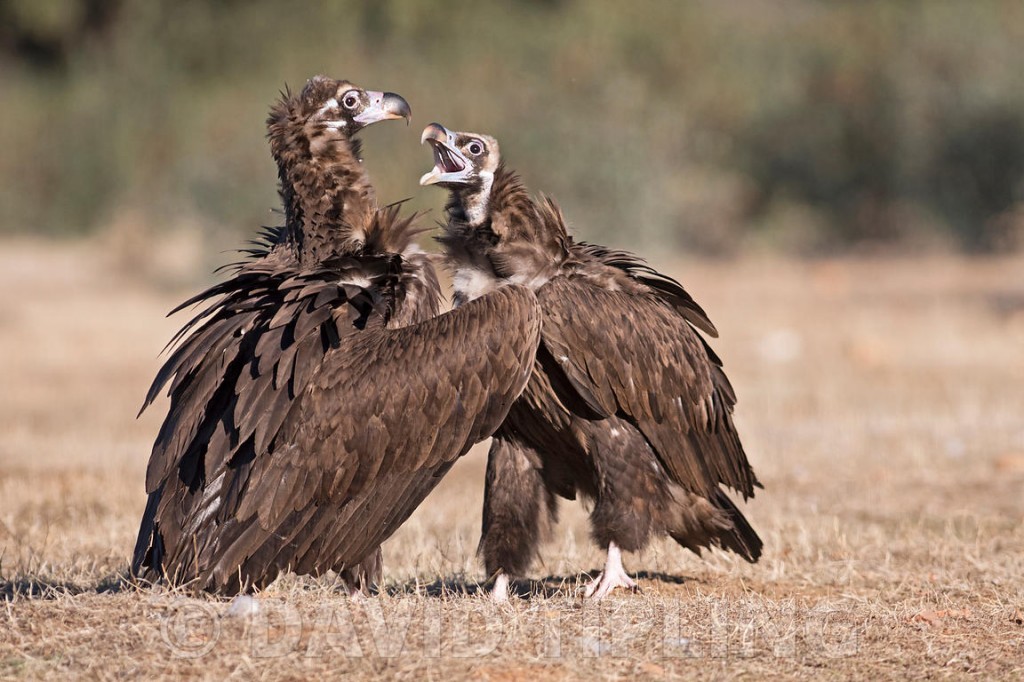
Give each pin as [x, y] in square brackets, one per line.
[316, 397]
[627, 405]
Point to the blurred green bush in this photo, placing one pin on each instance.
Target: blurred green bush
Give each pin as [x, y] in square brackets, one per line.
[796, 125]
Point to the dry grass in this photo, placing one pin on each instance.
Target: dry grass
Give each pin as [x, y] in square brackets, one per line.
[881, 403]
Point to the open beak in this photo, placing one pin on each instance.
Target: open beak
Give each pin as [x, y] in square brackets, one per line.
[384, 106]
[450, 165]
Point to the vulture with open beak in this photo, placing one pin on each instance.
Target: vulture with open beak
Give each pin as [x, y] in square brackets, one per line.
[627, 405]
[316, 397]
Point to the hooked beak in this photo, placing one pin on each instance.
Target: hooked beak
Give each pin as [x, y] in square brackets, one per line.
[383, 106]
[450, 165]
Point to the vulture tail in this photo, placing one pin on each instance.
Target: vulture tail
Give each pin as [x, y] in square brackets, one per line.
[714, 522]
[741, 537]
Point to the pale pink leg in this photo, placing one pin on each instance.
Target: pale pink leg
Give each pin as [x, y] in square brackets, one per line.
[499, 593]
[614, 575]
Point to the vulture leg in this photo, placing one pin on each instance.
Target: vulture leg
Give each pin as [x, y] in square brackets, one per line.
[499, 593]
[630, 498]
[518, 508]
[613, 575]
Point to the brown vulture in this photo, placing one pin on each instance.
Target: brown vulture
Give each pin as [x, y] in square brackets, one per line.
[317, 397]
[627, 405]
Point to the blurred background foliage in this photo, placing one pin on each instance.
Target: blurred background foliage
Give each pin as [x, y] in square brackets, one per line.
[711, 127]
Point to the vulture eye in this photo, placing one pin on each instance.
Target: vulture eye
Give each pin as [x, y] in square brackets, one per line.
[475, 148]
[351, 99]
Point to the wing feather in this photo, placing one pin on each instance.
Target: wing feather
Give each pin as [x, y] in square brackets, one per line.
[667, 288]
[447, 359]
[638, 356]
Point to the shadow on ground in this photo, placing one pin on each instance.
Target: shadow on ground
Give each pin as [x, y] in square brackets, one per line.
[33, 587]
[546, 588]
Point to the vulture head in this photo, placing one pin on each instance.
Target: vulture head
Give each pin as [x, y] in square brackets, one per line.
[460, 159]
[329, 110]
[464, 163]
[495, 231]
[340, 105]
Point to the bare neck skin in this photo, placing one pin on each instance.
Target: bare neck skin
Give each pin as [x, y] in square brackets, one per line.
[474, 201]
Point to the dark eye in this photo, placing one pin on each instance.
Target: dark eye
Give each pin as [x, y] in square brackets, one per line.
[350, 99]
[475, 148]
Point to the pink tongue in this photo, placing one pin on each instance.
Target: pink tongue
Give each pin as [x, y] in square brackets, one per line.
[445, 161]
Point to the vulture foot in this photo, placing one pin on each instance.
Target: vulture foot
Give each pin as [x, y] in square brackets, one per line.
[499, 593]
[613, 575]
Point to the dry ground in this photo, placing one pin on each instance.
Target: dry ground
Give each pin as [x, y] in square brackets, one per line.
[881, 402]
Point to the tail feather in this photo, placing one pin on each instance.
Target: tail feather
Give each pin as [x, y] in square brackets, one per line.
[741, 538]
[714, 522]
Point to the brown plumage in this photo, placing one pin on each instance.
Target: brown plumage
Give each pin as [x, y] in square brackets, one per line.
[317, 398]
[627, 405]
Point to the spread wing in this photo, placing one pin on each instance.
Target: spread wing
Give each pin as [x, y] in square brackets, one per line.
[232, 378]
[241, 361]
[381, 417]
[637, 356]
